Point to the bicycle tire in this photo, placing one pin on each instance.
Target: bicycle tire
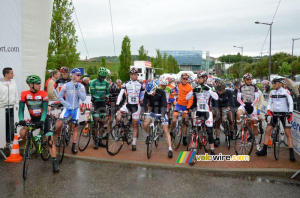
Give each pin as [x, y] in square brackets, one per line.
[114, 140]
[129, 136]
[150, 143]
[177, 136]
[157, 139]
[205, 141]
[241, 143]
[261, 133]
[84, 137]
[195, 148]
[62, 147]
[26, 159]
[276, 143]
[45, 154]
[227, 137]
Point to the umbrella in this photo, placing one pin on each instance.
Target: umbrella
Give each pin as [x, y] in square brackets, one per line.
[292, 85]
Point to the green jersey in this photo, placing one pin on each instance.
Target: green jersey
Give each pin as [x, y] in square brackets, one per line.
[99, 90]
[168, 91]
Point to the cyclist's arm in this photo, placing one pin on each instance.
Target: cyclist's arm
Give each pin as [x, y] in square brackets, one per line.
[81, 92]
[44, 112]
[270, 101]
[93, 90]
[256, 94]
[261, 101]
[239, 98]
[230, 98]
[142, 93]
[21, 110]
[189, 95]
[163, 103]
[214, 95]
[61, 96]
[290, 101]
[120, 96]
[107, 90]
[144, 103]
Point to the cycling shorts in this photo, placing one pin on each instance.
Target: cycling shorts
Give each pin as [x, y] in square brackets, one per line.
[100, 108]
[67, 113]
[134, 108]
[46, 128]
[254, 113]
[272, 121]
[208, 116]
[165, 122]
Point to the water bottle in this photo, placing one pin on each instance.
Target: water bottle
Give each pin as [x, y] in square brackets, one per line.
[39, 138]
[282, 135]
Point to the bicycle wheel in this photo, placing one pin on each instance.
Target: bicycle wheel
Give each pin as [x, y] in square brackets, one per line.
[276, 143]
[205, 143]
[150, 143]
[157, 139]
[84, 137]
[244, 142]
[194, 146]
[62, 146]
[260, 130]
[26, 158]
[114, 141]
[129, 136]
[176, 137]
[227, 134]
[45, 154]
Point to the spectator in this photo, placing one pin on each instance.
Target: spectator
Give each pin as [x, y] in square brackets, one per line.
[50, 86]
[47, 81]
[267, 88]
[8, 98]
[86, 84]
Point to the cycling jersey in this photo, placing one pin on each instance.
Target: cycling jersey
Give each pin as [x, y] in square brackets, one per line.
[225, 100]
[73, 93]
[60, 82]
[174, 91]
[183, 90]
[158, 102]
[134, 90]
[281, 99]
[37, 104]
[168, 91]
[99, 90]
[247, 94]
[234, 95]
[202, 98]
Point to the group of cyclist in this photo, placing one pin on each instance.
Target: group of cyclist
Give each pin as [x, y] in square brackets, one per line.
[196, 98]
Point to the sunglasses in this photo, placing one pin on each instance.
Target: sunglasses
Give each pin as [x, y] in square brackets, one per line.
[184, 78]
[275, 83]
[78, 74]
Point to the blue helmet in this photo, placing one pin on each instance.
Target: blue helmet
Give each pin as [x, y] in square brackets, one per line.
[151, 87]
[75, 71]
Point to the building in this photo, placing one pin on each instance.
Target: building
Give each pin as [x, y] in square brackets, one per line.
[188, 60]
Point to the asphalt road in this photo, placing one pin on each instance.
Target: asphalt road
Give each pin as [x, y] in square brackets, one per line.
[79, 178]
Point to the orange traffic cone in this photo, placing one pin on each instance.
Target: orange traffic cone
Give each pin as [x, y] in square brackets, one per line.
[15, 151]
[270, 143]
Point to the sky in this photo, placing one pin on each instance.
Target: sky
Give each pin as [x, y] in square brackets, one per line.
[208, 25]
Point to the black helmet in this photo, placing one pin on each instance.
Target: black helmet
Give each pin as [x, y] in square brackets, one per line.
[278, 79]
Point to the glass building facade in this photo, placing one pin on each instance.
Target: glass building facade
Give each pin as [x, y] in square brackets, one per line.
[185, 57]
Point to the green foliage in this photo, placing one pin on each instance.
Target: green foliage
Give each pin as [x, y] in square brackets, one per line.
[125, 60]
[285, 69]
[90, 71]
[103, 62]
[235, 58]
[62, 45]
[142, 54]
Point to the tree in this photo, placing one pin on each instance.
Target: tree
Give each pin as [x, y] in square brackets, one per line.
[285, 69]
[103, 63]
[158, 63]
[95, 70]
[125, 59]
[142, 53]
[90, 71]
[62, 45]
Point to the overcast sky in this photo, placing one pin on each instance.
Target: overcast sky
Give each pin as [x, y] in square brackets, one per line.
[207, 25]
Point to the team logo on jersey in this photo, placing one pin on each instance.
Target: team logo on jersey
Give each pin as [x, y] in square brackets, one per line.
[38, 97]
[29, 97]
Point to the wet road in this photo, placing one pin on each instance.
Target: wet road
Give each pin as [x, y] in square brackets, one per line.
[79, 178]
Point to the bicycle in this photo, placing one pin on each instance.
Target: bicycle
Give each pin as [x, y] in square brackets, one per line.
[53, 115]
[198, 138]
[277, 135]
[155, 132]
[86, 131]
[119, 134]
[260, 130]
[41, 145]
[225, 123]
[64, 137]
[245, 137]
[176, 136]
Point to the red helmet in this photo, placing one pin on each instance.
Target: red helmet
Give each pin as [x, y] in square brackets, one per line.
[64, 70]
[202, 74]
[247, 76]
[134, 70]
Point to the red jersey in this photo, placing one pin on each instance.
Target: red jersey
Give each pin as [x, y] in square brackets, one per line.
[34, 101]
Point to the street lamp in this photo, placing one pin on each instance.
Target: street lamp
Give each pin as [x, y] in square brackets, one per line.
[270, 24]
[293, 47]
[242, 48]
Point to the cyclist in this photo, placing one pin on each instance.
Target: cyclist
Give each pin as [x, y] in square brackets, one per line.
[135, 94]
[182, 104]
[63, 80]
[237, 85]
[282, 102]
[168, 90]
[37, 104]
[100, 92]
[248, 97]
[73, 92]
[225, 101]
[202, 95]
[258, 106]
[157, 105]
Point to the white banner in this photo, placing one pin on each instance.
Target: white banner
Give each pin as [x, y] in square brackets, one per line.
[296, 132]
[87, 104]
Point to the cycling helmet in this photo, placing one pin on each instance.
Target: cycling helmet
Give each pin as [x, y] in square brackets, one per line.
[247, 76]
[202, 74]
[113, 88]
[185, 74]
[118, 81]
[278, 79]
[164, 82]
[102, 72]
[134, 70]
[33, 79]
[108, 71]
[172, 79]
[220, 87]
[75, 71]
[64, 70]
[151, 87]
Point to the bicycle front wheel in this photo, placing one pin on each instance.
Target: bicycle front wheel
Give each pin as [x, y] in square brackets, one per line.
[276, 143]
[114, 141]
[26, 158]
[62, 146]
[244, 142]
[150, 143]
[227, 134]
[84, 137]
[45, 154]
[176, 137]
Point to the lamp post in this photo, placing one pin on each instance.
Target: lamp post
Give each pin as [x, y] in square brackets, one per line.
[242, 48]
[270, 24]
[293, 47]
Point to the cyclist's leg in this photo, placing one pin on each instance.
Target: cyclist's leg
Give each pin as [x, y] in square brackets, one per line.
[135, 119]
[146, 124]
[59, 125]
[166, 132]
[23, 132]
[287, 130]
[175, 116]
[270, 125]
[209, 124]
[240, 111]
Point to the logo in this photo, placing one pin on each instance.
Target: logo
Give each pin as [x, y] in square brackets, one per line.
[38, 97]
[29, 97]
[186, 156]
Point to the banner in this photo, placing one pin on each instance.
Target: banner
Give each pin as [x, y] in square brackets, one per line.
[296, 132]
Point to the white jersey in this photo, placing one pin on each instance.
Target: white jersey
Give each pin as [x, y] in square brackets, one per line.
[203, 97]
[134, 91]
[281, 99]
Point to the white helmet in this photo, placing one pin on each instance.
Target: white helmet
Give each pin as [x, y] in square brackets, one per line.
[164, 82]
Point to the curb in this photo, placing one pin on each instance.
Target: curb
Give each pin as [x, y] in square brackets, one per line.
[282, 172]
